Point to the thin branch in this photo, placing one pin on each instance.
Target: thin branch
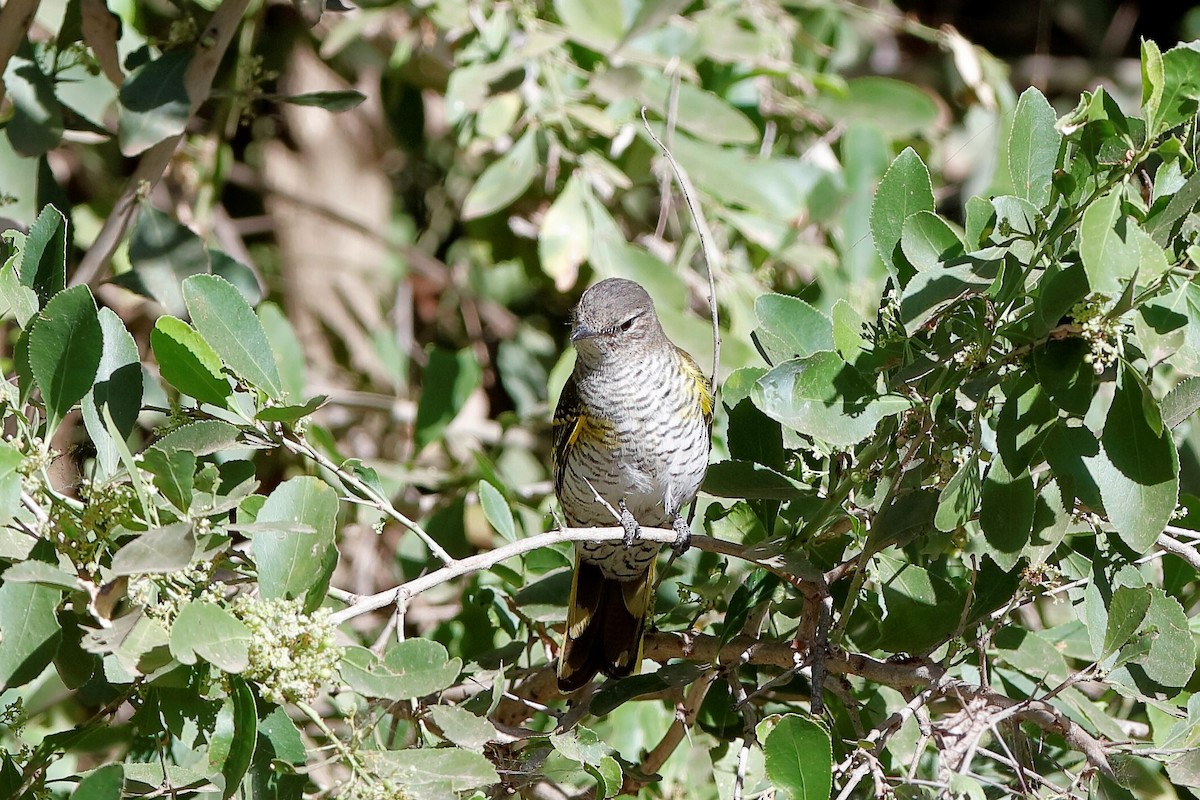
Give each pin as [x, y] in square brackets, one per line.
[466, 566]
[1172, 545]
[712, 258]
[685, 718]
[372, 497]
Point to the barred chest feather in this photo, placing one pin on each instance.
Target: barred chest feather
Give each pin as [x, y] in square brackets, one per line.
[650, 449]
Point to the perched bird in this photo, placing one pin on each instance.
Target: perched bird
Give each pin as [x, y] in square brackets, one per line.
[632, 427]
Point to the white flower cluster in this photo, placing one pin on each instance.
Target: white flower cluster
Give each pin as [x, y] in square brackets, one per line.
[1105, 335]
[372, 790]
[292, 654]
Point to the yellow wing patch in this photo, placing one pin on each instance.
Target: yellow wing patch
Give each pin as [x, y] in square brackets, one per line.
[702, 389]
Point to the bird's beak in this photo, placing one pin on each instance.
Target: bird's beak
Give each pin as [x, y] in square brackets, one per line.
[582, 331]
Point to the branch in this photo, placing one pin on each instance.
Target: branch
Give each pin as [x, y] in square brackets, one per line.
[707, 248]
[198, 80]
[372, 497]
[466, 566]
[1172, 545]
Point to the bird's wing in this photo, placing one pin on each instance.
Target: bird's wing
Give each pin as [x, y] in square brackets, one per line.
[568, 423]
[702, 386]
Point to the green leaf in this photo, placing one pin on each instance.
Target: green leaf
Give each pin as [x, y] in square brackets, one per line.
[21, 300]
[1065, 374]
[463, 728]
[154, 102]
[11, 459]
[292, 564]
[330, 101]
[608, 775]
[1126, 611]
[897, 108]
[496, 509]
[203, 438]
[118, 388]
[1113, 247]
[212, 633]
[1138, 470]
[29, 627]
[848, 337]
[580, 744]
[1181, 403]
[701, 113]
[799, 758]
[36, 123]
[160, 550]
[1171, 660]
[823, 397]
[289, 353]
[788, 327]
[594, 23]
[144, 778]
[928, 241]
[163, 254]
[920, 607]
[751, 481]
[65, 345]
[188, 362]
[1033, 146]
[1031, 653]
[433, 772]
[905, 517]
[291, 413]
[565, 237]
[1006, 513]
[43, 264]
[959, 498]
[449, 378]
[504, 180]
[408, 670]
[931, 291]
[233, 743]
[1153, 79]
[102, 783]
[227, 322]
[904, 190]
[1161, 224]
[173, 473]
[1181, 86]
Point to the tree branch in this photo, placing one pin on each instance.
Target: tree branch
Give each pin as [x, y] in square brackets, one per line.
[1172, 545]
[15, 19]
[711, 255]
[466, 566]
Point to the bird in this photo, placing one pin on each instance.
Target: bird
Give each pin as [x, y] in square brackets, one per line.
[631, 431]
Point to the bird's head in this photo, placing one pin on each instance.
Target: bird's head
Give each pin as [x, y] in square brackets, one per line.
[616, 316]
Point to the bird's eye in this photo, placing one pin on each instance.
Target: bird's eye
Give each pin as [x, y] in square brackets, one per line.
[627, 324]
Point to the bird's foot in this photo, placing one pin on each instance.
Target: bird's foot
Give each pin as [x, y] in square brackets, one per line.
[683, 536]
[632, 529]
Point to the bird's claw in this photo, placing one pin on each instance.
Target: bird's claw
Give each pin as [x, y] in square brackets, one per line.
[632, 529]
[683, 536]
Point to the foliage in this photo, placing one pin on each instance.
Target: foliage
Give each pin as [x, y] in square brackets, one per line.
[949, 529]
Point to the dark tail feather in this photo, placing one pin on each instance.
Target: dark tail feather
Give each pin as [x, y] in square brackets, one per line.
[605, 623]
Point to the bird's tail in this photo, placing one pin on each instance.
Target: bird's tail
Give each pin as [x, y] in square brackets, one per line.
[606, 619]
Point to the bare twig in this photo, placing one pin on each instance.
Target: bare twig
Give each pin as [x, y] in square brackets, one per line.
[373, 498]
[481, 561]
[1172, 545]
[712, 257]
[685, 717]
